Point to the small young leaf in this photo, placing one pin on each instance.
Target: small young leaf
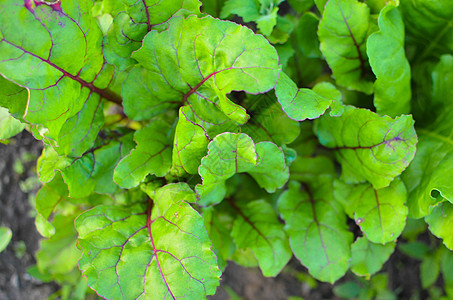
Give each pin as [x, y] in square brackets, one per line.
[380, 214]
[5, 237]
[367, 258]
[385, 49]
[317, 229]
[162, 254]
[258, 228]
[13, 97]
[368, 146]
[343, 31]
[9, 126]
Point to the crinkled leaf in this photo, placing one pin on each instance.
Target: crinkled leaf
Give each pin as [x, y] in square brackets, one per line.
[368, 146]
[428, 178]
[316, 225]
[166, 253]
[299, 104]
[9, 126]
[258, 228]
[343, 31]
[441, 222]
[151, 156]
[367, 258]
[431, 25]
[380, 214]
[130, 26]
[385, 49]
[55, 52]
[5, 237]
[231, 153]
[198, 58]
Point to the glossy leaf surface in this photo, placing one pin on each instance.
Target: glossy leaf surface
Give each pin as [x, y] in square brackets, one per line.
[368, 146]
[343, 31]
[385, 49]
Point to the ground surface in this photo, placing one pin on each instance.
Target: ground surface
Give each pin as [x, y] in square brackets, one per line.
[16, 284]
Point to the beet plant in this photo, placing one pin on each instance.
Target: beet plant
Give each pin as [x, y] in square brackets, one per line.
[176, 141]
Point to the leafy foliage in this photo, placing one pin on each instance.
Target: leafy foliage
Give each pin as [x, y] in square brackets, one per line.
[176, 141]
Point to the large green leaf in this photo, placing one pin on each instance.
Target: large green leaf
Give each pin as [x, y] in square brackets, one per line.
[258, 228]
[54, 51]
[300, 104]
[343, 31]
[431, 25]
[367, 258]
[368, 146]
[151, 156]
[137, 18]
[441, 221]
[380, 214]
[316, 225]
[231, 153]
[385, 49]
[165, 253]
[428, 178]
[198, 58]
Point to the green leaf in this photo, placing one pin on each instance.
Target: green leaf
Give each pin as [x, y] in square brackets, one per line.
[385, 49]
[306, 35]
[219, 223]
[380, 214]
[49, 162]
[5, 237]
[428, 178]
[429, 271]
[151, 156]
[441, 221]
[343, 31]
[55, 52]
[231, 153]
[301, 5]
[299, 104]
[129, 27]
[13, 97]
[368, 146]
[316, 225]
[165, 253]
[59, 254]
[258, 228]
[208, 63]
[430, 24]
[9, 126]
[367, 258]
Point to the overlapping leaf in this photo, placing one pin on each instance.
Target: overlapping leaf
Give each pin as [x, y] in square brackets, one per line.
[231, 153]
[368, 146]
[134, 21]
[385, 49]
[9, 126]
[343, 31]
[151, 156]
[428, 178]
[316, 225]
[198, 58]
[367, 258]
[13, 97]
[300, 104]
[5, 237]
[258, 228]
[441, 221]
[54, 51]
[163, 254]
[380, 214]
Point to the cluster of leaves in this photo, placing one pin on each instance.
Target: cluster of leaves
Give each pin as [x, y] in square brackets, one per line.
[177, 141]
